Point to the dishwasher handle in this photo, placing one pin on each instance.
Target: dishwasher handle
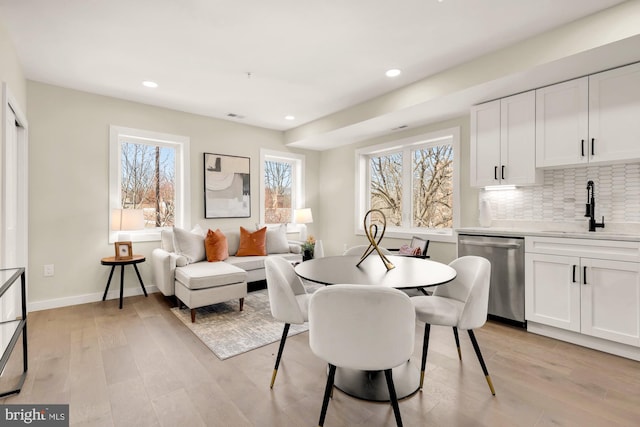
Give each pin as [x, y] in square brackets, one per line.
[490, 244]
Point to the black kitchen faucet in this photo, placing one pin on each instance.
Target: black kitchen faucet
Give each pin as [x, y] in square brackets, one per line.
[591, 208]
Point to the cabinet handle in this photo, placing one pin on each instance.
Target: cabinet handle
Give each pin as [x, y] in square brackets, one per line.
[574, 273]
[495, 173]
[502, 172]
[584, 275]
[593, 150]
[582, 148]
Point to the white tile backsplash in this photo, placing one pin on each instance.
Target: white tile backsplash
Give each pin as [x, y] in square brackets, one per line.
[563, 196]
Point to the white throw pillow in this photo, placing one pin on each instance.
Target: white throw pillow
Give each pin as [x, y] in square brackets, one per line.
[277, 240]
[188, 244]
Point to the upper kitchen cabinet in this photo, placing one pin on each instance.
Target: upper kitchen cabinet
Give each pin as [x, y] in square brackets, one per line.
[562, 120]
[614, 112]
[589, 120]
[503, 142]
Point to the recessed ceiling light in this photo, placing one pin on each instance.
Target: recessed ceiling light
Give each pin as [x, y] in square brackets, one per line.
[393, 72]
[289, 117]
[149, 83]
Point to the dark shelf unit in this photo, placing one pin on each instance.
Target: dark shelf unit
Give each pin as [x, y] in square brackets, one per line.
[13, 328]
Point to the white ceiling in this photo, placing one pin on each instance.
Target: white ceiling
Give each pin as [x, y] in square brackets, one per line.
[266, 59]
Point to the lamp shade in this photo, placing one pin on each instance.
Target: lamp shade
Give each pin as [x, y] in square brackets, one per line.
[127, 219]
[303, 216]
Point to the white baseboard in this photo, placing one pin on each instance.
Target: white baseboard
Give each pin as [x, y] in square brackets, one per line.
[623, 350]
[86, 298]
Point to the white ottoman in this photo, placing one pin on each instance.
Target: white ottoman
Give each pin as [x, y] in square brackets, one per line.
[205, 283]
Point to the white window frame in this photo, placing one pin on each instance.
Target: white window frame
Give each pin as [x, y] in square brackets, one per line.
[297, 182]
[363, 188]
[117, 135]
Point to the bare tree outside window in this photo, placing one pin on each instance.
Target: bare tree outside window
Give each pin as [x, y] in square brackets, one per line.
[431, 192]
[148, 182]
[386, 187]
[278, 190]
[433, 187]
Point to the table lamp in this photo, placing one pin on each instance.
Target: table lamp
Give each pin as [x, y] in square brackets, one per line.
[126, 220]
[303, 216]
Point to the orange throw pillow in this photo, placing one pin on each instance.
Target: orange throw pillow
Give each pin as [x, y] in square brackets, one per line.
[215, 245]
[252, 243]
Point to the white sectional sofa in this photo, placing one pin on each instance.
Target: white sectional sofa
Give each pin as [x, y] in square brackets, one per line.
[180, 266]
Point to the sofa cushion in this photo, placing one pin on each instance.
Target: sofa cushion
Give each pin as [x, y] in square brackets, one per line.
[189, 244]
[215, 245]
[201, 275]
[252, 243]
[233, 240]
[277, 240]
[251, 263]
[247, 263]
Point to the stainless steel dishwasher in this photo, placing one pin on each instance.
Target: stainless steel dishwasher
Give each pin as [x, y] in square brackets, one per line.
[506, 292]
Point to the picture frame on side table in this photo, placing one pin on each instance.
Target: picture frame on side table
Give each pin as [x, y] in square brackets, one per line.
[227, 186]
[123, 250]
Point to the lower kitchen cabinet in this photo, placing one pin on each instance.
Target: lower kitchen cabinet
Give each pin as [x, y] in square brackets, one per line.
[551, 295]
[582, 286]
[610, 300]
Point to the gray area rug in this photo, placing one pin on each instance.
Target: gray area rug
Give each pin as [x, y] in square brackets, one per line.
[229, 332]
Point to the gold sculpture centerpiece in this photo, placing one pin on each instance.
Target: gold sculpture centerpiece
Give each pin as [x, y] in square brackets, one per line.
[371, 230]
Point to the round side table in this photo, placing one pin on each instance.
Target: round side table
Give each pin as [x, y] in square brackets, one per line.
[113, 262]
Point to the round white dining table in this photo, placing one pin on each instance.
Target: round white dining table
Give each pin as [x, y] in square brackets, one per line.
[409, 273]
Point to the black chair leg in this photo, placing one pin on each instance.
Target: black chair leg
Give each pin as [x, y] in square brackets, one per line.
[392, 395]
[476, 347]
[327, 393]
[425, 347]
[280, 349]
[455, 334]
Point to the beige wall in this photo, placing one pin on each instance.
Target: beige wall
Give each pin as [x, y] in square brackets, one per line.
[337, 175]
[69, 184]
[11, 70]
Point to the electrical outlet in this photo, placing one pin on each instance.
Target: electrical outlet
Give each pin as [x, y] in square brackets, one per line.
[48, 270]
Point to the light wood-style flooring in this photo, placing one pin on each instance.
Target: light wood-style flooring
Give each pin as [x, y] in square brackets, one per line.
[140, 366]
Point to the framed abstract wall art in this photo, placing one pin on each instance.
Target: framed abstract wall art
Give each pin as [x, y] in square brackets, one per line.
[227, 189]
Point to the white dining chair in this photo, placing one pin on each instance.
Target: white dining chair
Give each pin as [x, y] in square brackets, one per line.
[460, 304]
[288, 299]
[361, 327]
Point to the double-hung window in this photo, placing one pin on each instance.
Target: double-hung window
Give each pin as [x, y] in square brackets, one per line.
[414, 182]
[149, 171]
[281, 186]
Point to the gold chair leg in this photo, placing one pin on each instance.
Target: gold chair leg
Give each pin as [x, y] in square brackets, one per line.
[488, 378]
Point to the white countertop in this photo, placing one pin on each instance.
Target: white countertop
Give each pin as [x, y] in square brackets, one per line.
[621, 232]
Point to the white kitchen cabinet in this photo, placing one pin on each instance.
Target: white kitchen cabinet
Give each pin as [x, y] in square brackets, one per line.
[610, 300]
[562, 123]
[552, 297]
[586, 286]
[503, 142]
[614, 109]
[590, 120]
[485, 144]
